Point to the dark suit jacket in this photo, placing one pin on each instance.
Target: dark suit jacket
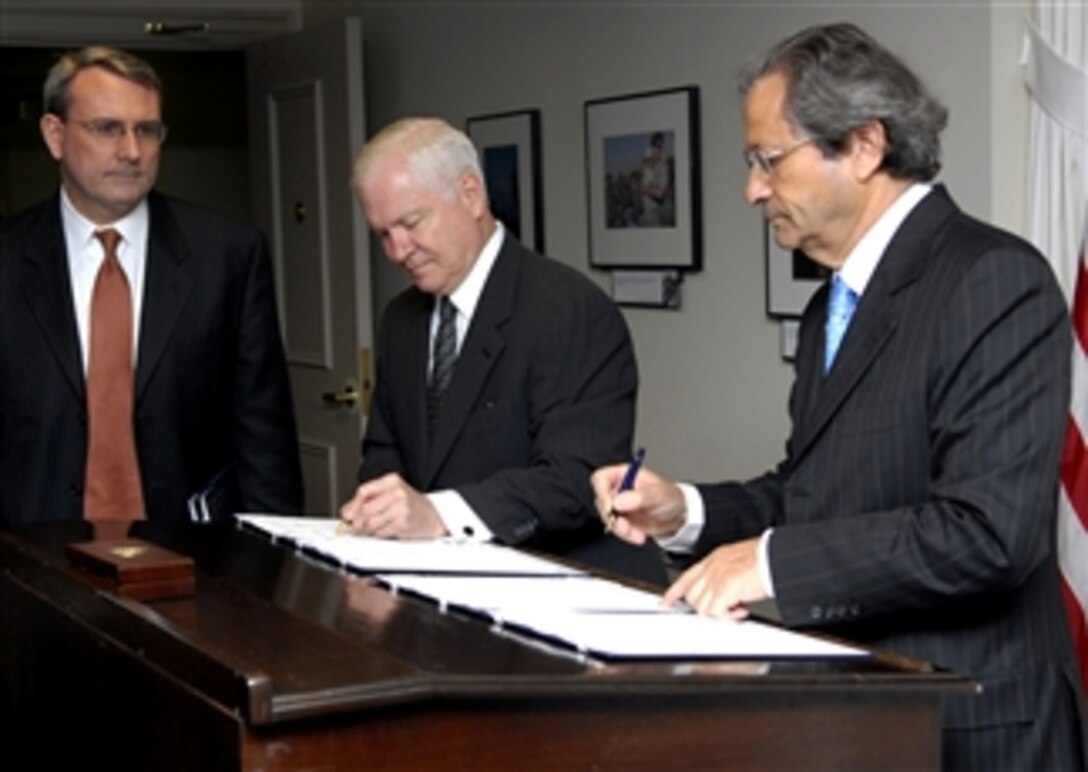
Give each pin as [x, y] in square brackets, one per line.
[915, 510]
[542, 393]
[211, 383]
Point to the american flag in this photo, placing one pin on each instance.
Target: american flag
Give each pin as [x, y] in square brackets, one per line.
[1073, 503]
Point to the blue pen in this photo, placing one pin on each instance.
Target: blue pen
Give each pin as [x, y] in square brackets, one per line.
[632, 470]
[626, 484]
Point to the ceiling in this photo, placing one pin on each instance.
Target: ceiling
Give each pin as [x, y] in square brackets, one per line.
[188, 24]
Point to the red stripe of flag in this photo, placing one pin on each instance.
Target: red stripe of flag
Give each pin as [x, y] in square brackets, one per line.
[1078, 624]
[1075, 472]
[1075, 481]
[1080, 307]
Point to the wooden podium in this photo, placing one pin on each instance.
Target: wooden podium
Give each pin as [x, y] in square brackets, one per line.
[279, 662]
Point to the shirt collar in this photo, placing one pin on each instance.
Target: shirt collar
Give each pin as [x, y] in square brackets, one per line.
[467, 295]
[862, 261]
[80, 231]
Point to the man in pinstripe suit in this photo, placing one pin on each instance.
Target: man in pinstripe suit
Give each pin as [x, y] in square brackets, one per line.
[915, 508]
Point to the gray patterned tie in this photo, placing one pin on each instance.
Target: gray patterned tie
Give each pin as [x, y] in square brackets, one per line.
[444, 355]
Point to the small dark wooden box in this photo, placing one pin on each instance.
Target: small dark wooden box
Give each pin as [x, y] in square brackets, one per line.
[136, 569]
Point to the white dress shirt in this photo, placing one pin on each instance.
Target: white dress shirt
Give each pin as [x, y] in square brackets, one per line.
[85, 257]
[458, 517]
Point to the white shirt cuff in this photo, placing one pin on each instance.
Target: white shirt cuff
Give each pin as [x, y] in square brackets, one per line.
[695, 516]
[764, 562]
[458, 517]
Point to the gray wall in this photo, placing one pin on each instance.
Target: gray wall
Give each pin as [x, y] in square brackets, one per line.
[714, 386]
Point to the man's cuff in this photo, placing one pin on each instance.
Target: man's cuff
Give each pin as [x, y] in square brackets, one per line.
[460, 521]
[684, 539]
[764, 562]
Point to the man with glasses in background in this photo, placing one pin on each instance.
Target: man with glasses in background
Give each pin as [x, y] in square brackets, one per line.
[915, 508]
[140, 352]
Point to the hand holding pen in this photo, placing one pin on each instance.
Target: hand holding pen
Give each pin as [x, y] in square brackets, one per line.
[626, 484]
[635, 502]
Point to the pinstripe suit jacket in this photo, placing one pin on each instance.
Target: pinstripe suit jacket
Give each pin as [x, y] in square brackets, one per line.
[915, 509]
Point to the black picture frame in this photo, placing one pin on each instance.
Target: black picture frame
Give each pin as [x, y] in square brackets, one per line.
[644, 180]
[511, 159]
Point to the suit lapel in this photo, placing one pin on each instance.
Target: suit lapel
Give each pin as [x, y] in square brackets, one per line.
[46, 285]
[481, 350]
[418, 341]
[875, 321]
[873, 324]
[167, 285]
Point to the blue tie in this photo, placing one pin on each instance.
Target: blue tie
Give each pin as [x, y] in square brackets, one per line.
[840, 307]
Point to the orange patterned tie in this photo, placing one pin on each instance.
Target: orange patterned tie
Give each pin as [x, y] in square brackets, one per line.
[112, 488]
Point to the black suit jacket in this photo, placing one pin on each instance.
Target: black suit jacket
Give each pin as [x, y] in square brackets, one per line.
[211, 382]
[542, 393]
[915, 510]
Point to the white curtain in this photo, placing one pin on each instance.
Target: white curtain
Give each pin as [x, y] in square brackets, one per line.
[1056, 71]
[1056, 63]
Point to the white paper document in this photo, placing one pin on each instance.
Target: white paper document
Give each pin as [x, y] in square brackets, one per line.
[604, 617]
[673, 635]
[445, 556]
[545, 598]
[494, 596]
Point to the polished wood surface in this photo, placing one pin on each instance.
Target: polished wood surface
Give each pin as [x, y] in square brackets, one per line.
[278, 661]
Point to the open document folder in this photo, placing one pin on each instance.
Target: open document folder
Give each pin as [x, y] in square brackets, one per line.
[320, 536]
[548, 599]
[611, 619]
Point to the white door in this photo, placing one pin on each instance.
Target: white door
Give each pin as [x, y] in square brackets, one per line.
[306, 122]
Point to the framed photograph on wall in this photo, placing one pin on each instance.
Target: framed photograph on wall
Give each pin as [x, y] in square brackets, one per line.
[791, 278]
[509, 147]
[643, 180]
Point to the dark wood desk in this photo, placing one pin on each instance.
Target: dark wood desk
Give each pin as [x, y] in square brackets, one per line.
[279, 662]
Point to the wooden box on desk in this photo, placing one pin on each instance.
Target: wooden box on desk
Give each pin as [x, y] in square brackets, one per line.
[135, 569]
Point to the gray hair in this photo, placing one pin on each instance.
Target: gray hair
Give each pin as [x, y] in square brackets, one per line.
[56, 97]
[838, 80]
[437, 153]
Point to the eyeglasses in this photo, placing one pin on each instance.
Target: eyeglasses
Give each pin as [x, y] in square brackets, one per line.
[766, 160]
[110, 130]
